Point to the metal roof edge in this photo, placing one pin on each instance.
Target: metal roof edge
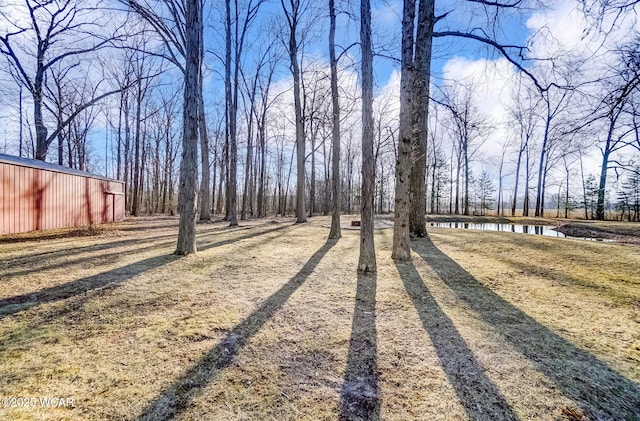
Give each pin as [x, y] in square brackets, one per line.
[43, 165]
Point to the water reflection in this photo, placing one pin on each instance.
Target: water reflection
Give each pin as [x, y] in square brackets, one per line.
[547, 231]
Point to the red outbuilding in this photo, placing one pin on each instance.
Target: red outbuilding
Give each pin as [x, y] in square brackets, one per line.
[37, 195]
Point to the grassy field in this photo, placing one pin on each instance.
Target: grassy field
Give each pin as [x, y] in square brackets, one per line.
[269, 321]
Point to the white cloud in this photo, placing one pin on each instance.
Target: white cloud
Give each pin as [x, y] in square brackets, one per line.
[492, 82]
[560, 27]
[387, 14]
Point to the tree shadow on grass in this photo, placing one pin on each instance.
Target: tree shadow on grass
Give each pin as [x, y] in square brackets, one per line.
[359, 397]
[114, 242]
[115, 277]
[598, 390]
[65, 250]
[11, 273]
[481, 398]
[174, 400]
[206, 246]
[112, 278]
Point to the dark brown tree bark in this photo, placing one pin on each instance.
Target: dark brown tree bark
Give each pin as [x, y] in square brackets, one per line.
[189, 165]
[205, 183]
[232, 148]
[422, 73]
[401, 250]
[367, 260]
[334, 232]
[292, 14]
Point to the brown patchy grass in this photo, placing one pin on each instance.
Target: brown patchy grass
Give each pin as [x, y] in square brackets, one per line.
[270, 321]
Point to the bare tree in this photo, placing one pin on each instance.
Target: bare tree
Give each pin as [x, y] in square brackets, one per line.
[469, 128]
[401, 250]
[142, 70]
[293, 11]
[367, 260]
[523, 115]
[554, 102]
[236, 30]
[335, 132]
[179, 26]
[249, 98]
[204, 198]
[420, 116]
[486, 35]
[62, 31]
[266, 101]
[385, 133]
[188, 167]
[619, 114]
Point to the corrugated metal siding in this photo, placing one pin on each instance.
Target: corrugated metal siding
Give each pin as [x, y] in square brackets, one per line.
[42, 198]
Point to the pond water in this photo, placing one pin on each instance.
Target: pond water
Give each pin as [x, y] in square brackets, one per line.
[545, 230]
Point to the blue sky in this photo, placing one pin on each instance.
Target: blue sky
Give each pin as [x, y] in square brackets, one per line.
[387, 17]
[453, 58]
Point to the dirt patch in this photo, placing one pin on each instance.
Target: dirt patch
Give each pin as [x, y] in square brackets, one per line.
[612, 233]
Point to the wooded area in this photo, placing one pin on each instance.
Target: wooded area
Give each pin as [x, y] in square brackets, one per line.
[293, 174]
[269, 126]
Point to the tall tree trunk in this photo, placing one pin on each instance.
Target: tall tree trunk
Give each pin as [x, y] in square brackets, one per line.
[143, 161]
[136, 153]
[36, 93]
[286, 192]
[221, 183]
[215, 175]
[525, 203]
[156, 175]
[433, 183]
[20, 135]
[517, 180]
[205, 184]
[312, 181]
[233, 180]
[382, 181]
[300, 144]
[544, 184]
[119, 157]
[451, 181]
[602, 183]
[500, 207]
[542, 166]
[167, 169]
[422, 65]
[247, 176]
[127, 146]
[584, 189]
[367, 260]
[261, 197]
[232, 162]
[263, 163]
[246, 196]
[605, 166]
[458, 168]
[59, 118]
[186, 243]
[566, 196]
[292, 20]
[401, 250]
[466, 177]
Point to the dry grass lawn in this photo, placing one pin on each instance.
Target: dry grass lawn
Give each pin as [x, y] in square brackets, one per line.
[269, 321]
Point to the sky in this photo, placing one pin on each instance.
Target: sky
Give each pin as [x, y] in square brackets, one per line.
[555, 29]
